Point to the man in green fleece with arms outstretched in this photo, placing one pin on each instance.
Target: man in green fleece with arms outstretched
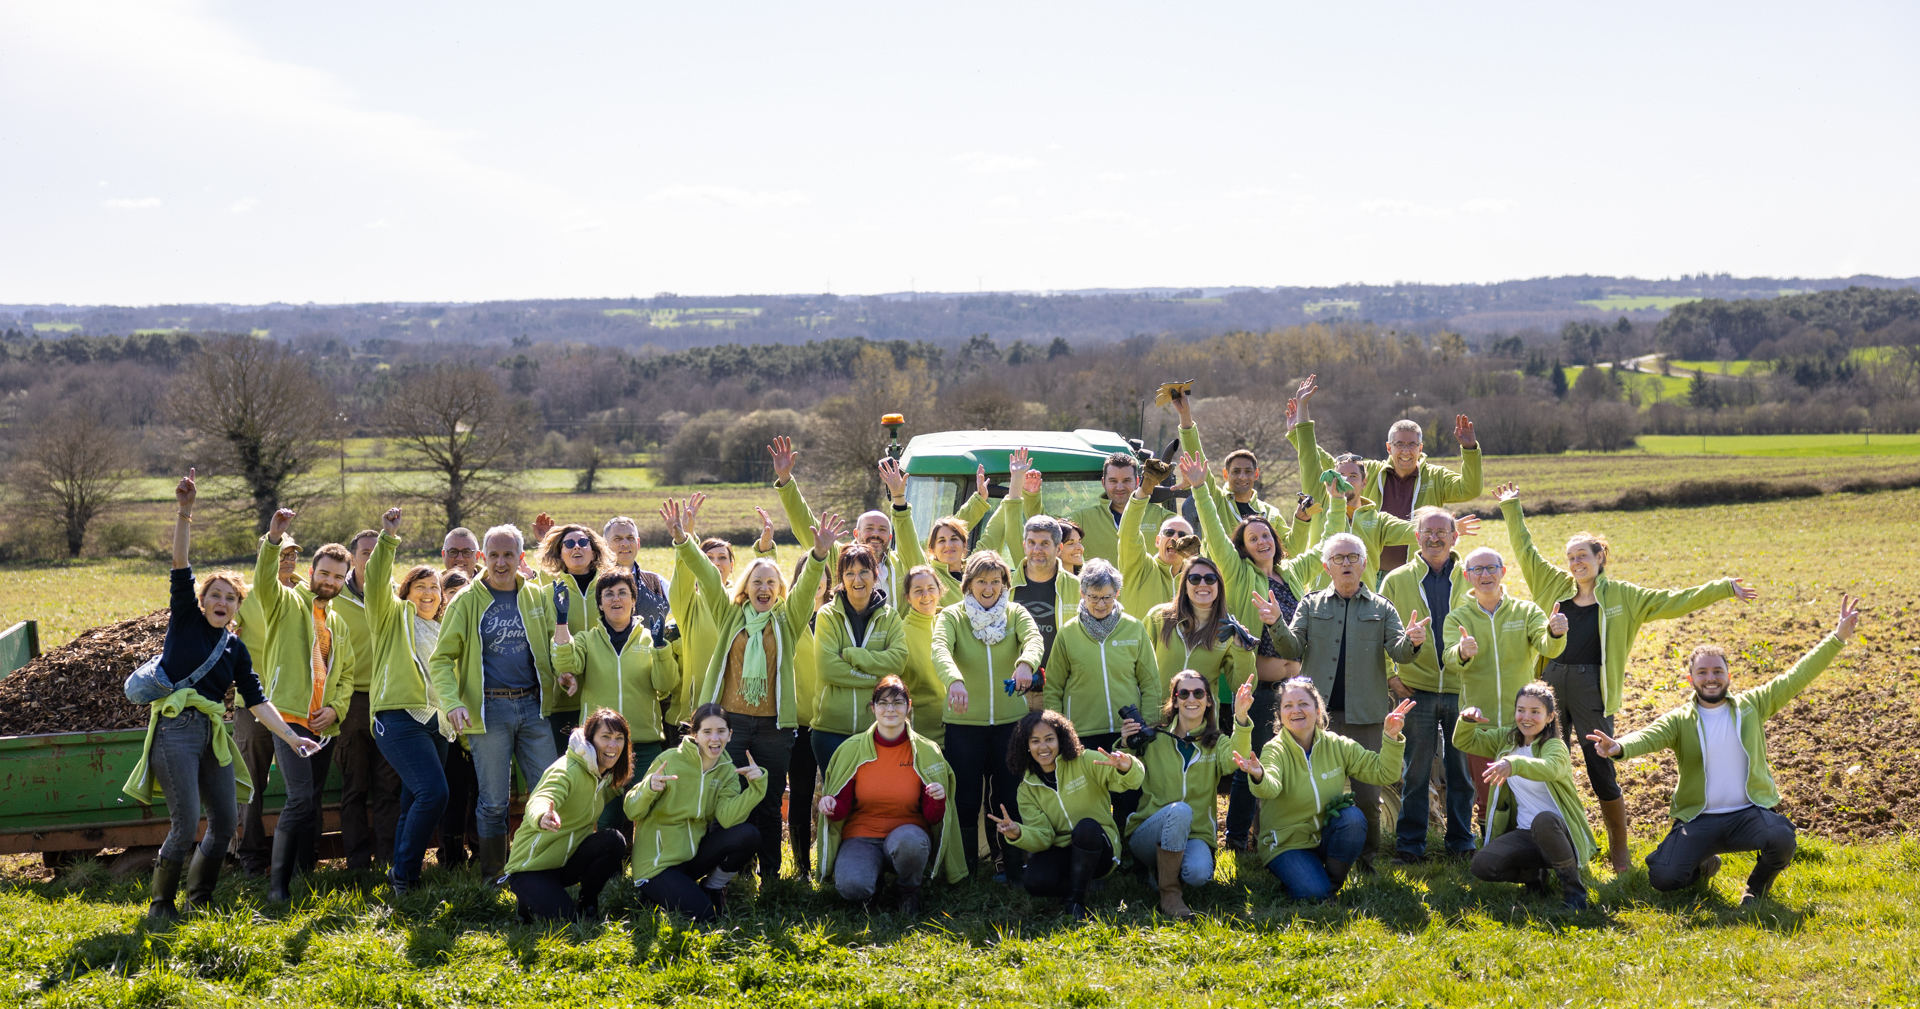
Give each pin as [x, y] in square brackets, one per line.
[1724, 800]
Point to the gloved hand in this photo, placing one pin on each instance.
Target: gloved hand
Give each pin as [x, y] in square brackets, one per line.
[1233, 630]
[560, 601]
[1333, 476]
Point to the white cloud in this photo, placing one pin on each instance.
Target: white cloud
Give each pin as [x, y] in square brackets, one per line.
[982, 163]
[1250, 193]
[1001, 201]
[103, 183]
[1484, 206]
[582, 226]
[1407, 208]
[1111, 177]
[1102, 217]
[127, 203]
[380, 225]
[243, 205]
[739, 199]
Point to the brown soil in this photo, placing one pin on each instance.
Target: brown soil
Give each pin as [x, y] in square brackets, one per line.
[80, 685]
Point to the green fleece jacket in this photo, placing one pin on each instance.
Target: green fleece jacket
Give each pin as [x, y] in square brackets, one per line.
[1145, 580]
[1241, 579]
[1402, 590]
[668, 825]
[730, 618]
[913, 554]
[1298, 788]
[287, 673]
[573, 787]
[353, 613]
[1172, 778]
[1679, 730]
[633, 680]
[458, 675]
[1102, 527]
[806, 675]
[1490, 680]
[1047, 815]
[1547, 761]
[1624, 606]
[960, 657]
[1373, 635]
[583, 615]
[696, 644]
[947, 859]
[1280, 518]
[143, 785]
[1171, 654]
[801, 519]
[1090, 681]
[848, 669]
[924, 684]
[400, 679]
[253, 634]
[1436, 485]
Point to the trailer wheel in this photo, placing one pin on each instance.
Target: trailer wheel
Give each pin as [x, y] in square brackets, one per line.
[62, 859]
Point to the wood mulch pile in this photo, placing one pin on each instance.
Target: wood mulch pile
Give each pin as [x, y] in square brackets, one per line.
[79, 687]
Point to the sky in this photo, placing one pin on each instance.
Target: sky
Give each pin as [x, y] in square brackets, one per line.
[170, 151]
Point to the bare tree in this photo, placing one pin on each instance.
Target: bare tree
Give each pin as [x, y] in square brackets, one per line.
[1233, 422]
[73, 470]
[458, 423]
[259, 413]
[850, 439]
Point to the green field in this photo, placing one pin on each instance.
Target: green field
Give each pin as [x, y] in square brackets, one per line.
[1721, 367]
[55, 327]
[1635, 302]
[668, 318]
[1784, 445]
[1653, 387]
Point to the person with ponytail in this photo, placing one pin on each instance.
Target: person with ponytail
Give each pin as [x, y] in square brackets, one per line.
[560, 842]
[1536, 828]
[690, 813]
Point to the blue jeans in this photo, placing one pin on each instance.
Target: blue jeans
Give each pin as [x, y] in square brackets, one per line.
[1429, 727]
[1171, 829]
[514, 730]
[1303, 871]
[418, 753]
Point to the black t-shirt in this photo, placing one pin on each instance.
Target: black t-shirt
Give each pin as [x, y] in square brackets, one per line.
[1051, 779]
[619, 637]
[1583, 634]
[190, 639]
[1041, 602]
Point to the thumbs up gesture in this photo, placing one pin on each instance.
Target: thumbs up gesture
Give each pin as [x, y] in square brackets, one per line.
[1468, 647]
[1557, 622]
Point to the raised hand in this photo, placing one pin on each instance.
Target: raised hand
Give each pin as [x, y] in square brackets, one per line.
[1008, 827]
[1183, 406]
[980, 481]
[895, 481]
[1032, 483]
[1603, 744]
[672, 517]
[1269, 608]
[1508, 491]
[1463, 431]
[1119, 760]
[1472, 715]
[1849, 617]
[1468, 524]
[1396, 719]
[1193, 469]
[658, 782]
[957, 698]
[1017, 466]
[562, 602]
[1293, 415]
[1243, 701]
[695, 502]
[751, 772]
[1468, 647]
[391, 521]
[826, 534]
[1497, 773]
[1308, 386]
[765, 542]
[936, 791]
[277, 526]
[783, 458]
[1250, 766]
[186, 491]
[1557, 622]
[1745, 594]
[1417, 630]
[542, 525]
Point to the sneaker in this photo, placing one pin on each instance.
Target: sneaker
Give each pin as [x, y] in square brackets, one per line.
[1707, 869]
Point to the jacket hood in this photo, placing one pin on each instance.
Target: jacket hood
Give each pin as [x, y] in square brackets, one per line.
[580, 748]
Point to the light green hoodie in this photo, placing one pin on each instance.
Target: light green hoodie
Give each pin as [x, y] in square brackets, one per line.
[729, 617]
[924, 685]
[458, 676]
[697, 638]
[1171, 778]
[1240, 578]
[930, 764]
[1090, 681]
[668, 825]
[1297, 791]
[400, 679]
[960, 657]
[1047, 815]
[1437, 485]
[849, 669]
[287, 673]
[1215, 662]
[1402, 589]
[572, 786]
[1679, 730]
[1506, 662]
[631, 681]
[1624, 606]
[1547, 761]
[1145, 580]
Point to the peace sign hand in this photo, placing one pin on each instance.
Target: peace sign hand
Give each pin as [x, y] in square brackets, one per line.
[1557, 622]
[1417, 630]
[1008, 827]
[751, 772]
[1397, 718]
[1603, 744]
[1120, 761]
[1849, 616]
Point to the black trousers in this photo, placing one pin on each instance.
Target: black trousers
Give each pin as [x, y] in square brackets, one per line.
[1241, 805]
[978, 754]
[255, 744]
[1065, 870]
[772, 748]
[801, 772]
[1124, 803]
[542, 893]
[369, 788]
[1577, 691]
[1676, 863]
[679, 889]
[459, 834]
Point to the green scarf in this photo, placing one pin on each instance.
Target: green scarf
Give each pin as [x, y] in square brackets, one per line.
[753, 665]
[141, 785]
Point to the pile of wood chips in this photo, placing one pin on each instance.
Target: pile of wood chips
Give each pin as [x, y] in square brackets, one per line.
[79, 687]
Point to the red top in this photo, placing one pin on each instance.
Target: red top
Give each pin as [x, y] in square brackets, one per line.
[1396, 499]
[886, 792]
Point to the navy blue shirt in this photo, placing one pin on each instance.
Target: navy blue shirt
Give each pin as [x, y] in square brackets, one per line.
[1437, 589]
[506, 660]
[190, 639]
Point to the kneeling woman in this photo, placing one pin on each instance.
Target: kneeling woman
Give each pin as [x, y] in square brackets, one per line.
[679, 862]
[1173, 834]
[560, 842]
[1302, 778]
[1536, 829]
[1066, 811]
[886, 806]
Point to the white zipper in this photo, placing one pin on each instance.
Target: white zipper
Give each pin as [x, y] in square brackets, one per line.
[991, 700]
[1106, 682]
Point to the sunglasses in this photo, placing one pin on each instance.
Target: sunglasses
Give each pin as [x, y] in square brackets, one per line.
[1190, 693]
[1202, 578]
[572, 543]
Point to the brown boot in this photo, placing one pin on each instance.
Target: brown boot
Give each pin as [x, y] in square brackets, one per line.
[1614, 812]
[1173, 903]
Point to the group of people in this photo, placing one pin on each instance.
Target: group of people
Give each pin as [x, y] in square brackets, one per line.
[1052, 697]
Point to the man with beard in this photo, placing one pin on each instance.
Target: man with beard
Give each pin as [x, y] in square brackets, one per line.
[1724, 799]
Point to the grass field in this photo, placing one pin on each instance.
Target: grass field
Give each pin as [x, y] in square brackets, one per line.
[1800, 446]
[1653, 388]
[1722, 367]
[1841, 930]
[1635, 302]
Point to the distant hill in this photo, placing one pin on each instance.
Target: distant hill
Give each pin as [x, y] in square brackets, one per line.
[672, 322]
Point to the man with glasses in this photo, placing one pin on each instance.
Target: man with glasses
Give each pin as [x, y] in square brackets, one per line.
[1343, 636]
[651, 609]
[1433, 581]
[1496, 640]
[1148, 577]
[1405, 480]
[460, 551]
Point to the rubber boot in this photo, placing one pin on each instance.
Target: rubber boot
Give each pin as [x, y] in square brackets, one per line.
[1573, 892]
[280, 871]
[1173, 903]
[493, 858]
[166, 883]
[1337, 875]
[203, 874]
[1614, 813]
[1080, 873]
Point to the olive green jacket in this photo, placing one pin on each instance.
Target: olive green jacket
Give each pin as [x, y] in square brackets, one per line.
[1549, 763]
[633, 680]
[730, 619]
[1509, 641]
[458, 675]
[287, 613]
[1047, 815]
[668, 825]
[400, 679]
[1402, 590]
[848, 669]
[1090, 681]
[959, 657]
[1296, 791]
[947, 859]
[1373, 634]
[1170, 779]
[573, 787]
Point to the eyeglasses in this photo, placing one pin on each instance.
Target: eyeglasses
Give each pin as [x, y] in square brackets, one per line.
[576, 544]
[460, 551]
[1485, 569]
[1203, 578]
[1351, 559]
[891, 703]
[1087, 598]
[1190, 693]
[1404, 446]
